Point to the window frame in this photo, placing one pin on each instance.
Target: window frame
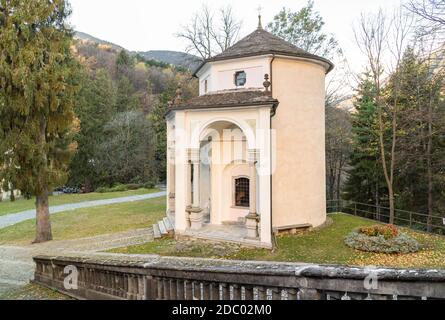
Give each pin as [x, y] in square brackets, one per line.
[236, 78]
[234, 204]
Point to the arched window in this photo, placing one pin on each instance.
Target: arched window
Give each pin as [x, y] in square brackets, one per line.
[240, 78]
[242, 192]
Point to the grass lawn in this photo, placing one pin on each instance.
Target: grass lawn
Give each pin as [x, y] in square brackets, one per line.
[7, 207]
[324, 247]
[89, 222]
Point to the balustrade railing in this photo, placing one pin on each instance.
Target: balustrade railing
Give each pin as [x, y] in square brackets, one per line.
[413, 220]
[163, 278]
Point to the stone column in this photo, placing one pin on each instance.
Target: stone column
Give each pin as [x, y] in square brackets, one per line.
[196, 216]
[252, 219]
[188, 191]
[172, 182]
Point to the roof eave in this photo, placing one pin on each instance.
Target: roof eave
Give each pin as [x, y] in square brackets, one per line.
[297, 55]
[272, 103]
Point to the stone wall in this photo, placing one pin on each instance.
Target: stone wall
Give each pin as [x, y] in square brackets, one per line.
[143, 277]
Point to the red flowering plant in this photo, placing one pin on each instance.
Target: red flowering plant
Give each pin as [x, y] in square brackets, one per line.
[387, 231]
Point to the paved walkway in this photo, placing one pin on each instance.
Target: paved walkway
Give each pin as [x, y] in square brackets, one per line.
[17, 266]
[11, 219]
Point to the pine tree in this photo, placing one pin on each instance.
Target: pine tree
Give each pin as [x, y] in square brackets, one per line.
[125, 98]
[95, 107]
[365, 182]
[37, 96]
[421, 124]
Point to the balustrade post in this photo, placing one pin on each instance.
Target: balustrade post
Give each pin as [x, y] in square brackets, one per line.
[248, 293]
[206, 288]
[236, 292]
[215, 293]
[180, 290]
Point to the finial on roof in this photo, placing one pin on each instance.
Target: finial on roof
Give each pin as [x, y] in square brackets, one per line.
[260, 25]
[266, 82]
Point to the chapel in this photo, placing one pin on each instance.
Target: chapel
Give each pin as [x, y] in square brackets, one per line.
[246, 158]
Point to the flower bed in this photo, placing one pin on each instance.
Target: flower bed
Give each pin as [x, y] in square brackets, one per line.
[382, 239]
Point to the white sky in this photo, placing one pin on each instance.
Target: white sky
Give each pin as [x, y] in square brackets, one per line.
[142, 25]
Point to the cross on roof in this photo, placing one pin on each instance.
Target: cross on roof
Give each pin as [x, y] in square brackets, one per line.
[260, 9]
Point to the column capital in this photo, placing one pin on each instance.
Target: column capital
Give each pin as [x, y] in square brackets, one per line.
[193, 155]
[253, 155]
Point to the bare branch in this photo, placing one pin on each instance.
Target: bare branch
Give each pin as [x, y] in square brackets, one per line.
[207, 36]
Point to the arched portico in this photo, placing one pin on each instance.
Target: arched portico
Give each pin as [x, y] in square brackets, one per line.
[221, 154]
[202, 130]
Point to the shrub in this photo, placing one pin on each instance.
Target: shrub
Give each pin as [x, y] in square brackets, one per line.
[126, 187]
[119, 188]
[134, 186]
[401, 243]
[149, 185]
[102, 190]
[116, 188]
[387, 231]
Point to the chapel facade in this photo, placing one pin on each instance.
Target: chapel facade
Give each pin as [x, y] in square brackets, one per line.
[246, 158]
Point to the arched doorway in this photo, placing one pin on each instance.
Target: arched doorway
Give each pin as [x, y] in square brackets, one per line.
[224, 170]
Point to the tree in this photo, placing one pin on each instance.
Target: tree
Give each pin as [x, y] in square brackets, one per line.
[305, 29]
[125, 98]
[127, 153]
[37, 96]
[432, 14]
[95, 106]
[365, 181]
[374, 34]
[421, 121]
[338, 149]
[124, 63]
[207, 36]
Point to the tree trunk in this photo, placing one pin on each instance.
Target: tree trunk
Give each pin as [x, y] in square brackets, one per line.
[339, 175]
[12, 197]
[429, 169]
[385, 169]
[43, 223]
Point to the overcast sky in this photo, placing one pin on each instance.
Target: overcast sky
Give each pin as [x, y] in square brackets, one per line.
[143, 25]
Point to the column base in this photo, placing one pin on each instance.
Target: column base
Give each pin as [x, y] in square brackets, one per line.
[196, 217]
[252, 223]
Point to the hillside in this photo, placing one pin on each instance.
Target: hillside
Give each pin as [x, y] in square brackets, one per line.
[176, 58]
[86, 37]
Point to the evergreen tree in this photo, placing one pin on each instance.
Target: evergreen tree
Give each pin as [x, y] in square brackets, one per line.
[365, 182]
[421, 125]
[124, 63]
[95, 107]
[125, 98]
[37, 97]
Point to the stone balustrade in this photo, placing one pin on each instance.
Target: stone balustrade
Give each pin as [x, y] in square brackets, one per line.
[166, 278]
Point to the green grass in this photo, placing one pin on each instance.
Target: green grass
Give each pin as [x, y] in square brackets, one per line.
[325, 246]
[7, 207]
[89, 222]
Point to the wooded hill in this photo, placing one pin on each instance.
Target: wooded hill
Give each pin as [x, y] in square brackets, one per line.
[121, 107]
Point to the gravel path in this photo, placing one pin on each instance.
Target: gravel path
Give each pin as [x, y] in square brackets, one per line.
[17, 266]
[11, 219]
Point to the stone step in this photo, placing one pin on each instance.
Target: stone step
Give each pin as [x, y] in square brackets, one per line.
[162, 228]
[168, 224]
[157, 231]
